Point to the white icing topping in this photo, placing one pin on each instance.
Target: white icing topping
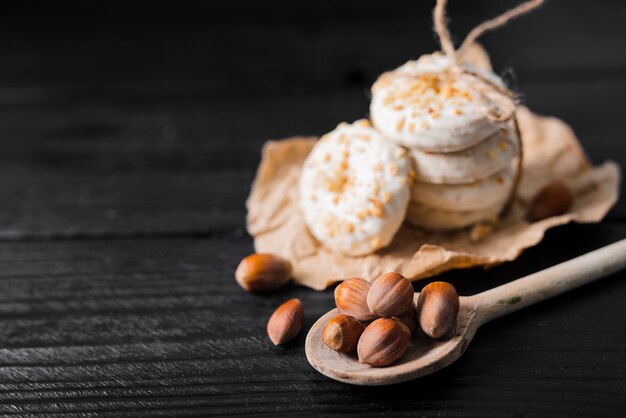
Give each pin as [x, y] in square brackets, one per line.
[423, 104]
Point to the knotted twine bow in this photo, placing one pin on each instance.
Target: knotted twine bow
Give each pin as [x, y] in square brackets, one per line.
[498, 101]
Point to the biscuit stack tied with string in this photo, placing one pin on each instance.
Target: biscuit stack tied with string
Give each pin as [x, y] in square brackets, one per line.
[442, 152]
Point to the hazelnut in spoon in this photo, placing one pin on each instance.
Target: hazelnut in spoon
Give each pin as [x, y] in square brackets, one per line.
[426, 355]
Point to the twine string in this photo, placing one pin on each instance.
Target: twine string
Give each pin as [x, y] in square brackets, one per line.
[441, 28]
[498, 103]
[497, 22]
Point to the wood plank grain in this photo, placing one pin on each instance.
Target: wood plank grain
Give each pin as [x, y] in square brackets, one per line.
[151, 326]
[247, 49]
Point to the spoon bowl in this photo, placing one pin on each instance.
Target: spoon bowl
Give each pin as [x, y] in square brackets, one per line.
[426, 355]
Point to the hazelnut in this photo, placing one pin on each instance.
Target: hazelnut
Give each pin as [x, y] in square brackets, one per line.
[437, 309]
[286, 322]
[383, 342]
[552, 200]
[263, 272]
[351, 298]
[390, 295]
[342, 333]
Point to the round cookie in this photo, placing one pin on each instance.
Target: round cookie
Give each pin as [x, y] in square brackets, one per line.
[480, 195]
[490, 156]
[433, 219]
[423, 105]
[354, 189]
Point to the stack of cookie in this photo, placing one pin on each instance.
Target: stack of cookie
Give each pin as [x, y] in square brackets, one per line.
[465, 162]
[432, 155]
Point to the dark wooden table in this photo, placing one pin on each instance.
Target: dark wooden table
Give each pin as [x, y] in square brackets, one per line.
[130, 134]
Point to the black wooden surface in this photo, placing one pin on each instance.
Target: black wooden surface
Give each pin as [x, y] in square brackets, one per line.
[129, 135]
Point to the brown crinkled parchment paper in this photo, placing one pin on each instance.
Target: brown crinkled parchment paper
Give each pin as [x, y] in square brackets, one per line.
[551, 151]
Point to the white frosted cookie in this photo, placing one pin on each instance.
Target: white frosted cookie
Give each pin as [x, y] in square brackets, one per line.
[421, 104]
[482, 194]
[354, 189]
[490, 156]
[441, 220]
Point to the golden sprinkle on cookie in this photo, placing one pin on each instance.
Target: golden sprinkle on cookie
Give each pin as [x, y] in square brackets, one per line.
[400, 124]
[337, 184]
[377, 209]
[401, 153]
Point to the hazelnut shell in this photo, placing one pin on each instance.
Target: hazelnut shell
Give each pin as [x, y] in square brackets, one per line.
[342, 333]
[383, 342]
[390, 295]
[437, 309]
[259, 272]
[552, 200]
[286, 322]
[351, 298]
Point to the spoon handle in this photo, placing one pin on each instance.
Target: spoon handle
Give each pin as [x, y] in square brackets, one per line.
[550, 282]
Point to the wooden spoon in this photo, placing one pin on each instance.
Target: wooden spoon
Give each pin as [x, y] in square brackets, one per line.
[426, 355]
